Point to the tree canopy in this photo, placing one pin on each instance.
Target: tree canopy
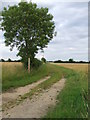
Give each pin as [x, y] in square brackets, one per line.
[27, 27]
[71, 60]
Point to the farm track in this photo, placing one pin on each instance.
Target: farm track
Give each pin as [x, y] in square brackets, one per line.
[13, 94]
[38, 106]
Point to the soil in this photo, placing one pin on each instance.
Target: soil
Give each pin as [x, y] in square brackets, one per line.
[38, 106]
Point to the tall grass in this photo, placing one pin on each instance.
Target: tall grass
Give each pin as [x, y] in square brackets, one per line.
[14, 75]
[72, 101]
[46, 69]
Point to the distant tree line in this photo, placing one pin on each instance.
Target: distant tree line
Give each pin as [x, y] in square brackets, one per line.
[9, 60]
[69, 61]
[44, 60]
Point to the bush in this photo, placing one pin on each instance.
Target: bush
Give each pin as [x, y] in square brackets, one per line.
[43, 60]
[34, 62]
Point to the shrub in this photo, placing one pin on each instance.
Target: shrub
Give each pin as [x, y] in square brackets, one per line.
[34, 62]
[43, 60]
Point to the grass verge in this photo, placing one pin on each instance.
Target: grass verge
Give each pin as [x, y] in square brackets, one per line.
[14, 75]
[72, 100]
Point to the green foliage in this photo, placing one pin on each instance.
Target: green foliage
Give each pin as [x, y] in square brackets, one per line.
[43, 60]
[71, 60]
[9, 60]
[27, 27]
[36, 63]
[2, 60]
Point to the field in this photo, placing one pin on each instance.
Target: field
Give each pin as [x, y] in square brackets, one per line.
[14, 75]
[74, 66]
[72, 100]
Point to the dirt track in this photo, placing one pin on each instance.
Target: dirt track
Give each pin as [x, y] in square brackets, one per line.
[39, 104]
[15, 93]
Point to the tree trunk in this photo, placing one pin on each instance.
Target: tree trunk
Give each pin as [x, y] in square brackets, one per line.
[28, 65]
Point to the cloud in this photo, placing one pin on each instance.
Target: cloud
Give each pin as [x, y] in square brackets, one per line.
[71, 20]
[6, 53]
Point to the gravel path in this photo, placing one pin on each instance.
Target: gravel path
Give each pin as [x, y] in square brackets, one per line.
[15, 93]
[38, 106]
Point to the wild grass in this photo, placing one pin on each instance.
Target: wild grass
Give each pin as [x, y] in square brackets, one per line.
[55, 73]
[46, 69]
[72, 101]
[14, 75]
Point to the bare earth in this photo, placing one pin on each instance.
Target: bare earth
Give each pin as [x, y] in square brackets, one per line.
[39, 104]
[15, 93]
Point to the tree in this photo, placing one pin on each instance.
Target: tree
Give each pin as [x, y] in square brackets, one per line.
[27, 27]
[2, 60]
[71, 60]
[9, 60]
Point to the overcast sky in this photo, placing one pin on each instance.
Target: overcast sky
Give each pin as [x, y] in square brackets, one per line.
[71, 21]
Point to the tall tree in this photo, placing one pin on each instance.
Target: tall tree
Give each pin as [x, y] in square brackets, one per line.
[27, 27]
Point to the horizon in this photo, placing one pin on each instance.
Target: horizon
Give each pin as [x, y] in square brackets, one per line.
[47, 60]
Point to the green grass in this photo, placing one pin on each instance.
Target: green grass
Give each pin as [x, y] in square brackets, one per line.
[72, 101]
[46, 69]
[55, 73]
[16, 76]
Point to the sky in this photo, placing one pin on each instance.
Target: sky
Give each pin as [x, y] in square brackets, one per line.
[71, 21]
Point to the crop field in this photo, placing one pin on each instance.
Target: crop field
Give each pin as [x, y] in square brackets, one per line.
[72, 100]
[74, 66]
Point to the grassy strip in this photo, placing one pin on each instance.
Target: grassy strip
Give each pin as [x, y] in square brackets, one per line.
[15, 76]
[73, 98]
